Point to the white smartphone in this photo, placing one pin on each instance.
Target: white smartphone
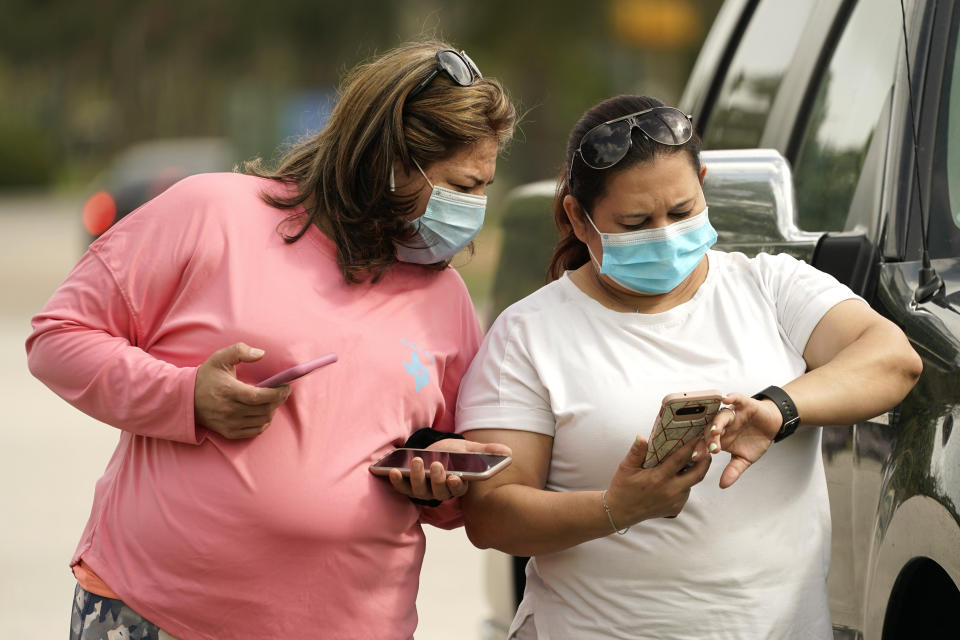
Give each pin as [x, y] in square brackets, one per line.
[469, 466]
[291, 374]
[682, 417]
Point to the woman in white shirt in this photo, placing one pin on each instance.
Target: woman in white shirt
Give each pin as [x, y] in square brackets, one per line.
[640, 307]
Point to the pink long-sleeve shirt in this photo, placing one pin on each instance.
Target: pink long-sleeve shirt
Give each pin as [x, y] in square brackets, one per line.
[287, 534]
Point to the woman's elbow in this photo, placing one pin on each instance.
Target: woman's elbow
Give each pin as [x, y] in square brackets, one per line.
[477, 536]
[37, 362]
[493, 537]
[910, 365]
[916, 368]
[45, 353]
[479, 530]
[486, 525]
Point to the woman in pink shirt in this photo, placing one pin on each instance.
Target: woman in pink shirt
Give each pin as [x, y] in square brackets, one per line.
[234, 511]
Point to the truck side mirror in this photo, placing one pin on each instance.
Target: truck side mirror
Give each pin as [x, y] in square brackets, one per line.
[752, 204]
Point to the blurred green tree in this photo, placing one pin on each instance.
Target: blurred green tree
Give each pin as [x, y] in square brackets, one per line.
[84, 80]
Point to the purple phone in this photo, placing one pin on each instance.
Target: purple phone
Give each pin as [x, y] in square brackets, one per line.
[293, 373]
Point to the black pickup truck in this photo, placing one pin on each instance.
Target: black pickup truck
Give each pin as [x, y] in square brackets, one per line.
[831, 131]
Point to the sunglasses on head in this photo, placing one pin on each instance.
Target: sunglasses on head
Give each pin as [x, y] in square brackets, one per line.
[458, 66]
[606, 144]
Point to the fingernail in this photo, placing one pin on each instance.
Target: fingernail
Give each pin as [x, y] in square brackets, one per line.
[713, 447]
[713, 428]
[256, 353]
[695, 454]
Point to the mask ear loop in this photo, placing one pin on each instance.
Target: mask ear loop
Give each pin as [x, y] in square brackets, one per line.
[422, 172]
[592, 223]
[595, 261]
[589, 250]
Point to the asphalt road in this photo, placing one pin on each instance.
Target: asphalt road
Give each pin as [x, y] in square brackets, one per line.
[52, 455]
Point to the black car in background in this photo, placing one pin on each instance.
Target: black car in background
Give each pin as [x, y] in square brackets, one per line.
[831, 131]
[144, 171]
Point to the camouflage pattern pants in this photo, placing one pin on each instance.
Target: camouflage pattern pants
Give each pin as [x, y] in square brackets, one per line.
[100, 618]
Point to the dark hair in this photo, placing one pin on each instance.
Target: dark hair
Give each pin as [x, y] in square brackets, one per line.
[346, 167]
[587, 185]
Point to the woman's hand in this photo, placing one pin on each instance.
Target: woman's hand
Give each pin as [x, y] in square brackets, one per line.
[227, 406]
[637, 494]
[436, 484]
[744, 428]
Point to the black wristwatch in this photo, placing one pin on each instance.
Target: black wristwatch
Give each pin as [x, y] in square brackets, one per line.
[791, 419]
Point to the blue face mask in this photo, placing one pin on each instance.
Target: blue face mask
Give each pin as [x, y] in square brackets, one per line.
[655, 260]
[451, 221]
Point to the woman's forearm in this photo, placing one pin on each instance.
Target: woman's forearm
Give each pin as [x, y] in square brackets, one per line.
[112, 381]
[82, 347]
[863, 380]
[521, 520]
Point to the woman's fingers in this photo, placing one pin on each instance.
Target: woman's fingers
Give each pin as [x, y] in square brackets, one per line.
[227, 406]
[432, 484]
[412, 486]
[637, 493]
[478, 447]
[698, 471]
[456, 486]
[256, 397]
[399, 483]
[247, 432]
[438, 482]
[725, 420]
[239, 421]
[678, 460]
[418, 480]
[733, 471]
[697, 463]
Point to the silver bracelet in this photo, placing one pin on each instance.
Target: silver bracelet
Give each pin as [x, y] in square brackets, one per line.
[603, 501]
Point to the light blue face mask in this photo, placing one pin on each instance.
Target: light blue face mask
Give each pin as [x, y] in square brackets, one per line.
[451, 221]
[655, 260]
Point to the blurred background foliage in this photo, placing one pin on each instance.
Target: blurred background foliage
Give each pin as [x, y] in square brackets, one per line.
[82, 81]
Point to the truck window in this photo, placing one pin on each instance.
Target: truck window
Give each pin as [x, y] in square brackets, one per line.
[844, 116]
[944, 201]
[756, 70]
[953, 133]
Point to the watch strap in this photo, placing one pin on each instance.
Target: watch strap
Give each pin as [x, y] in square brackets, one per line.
[788, 410]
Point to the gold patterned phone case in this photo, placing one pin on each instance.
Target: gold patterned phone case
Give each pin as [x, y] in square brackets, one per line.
[682, 418]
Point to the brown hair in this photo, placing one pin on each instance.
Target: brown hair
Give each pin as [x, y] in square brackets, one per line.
[587, 185]
[346, 167]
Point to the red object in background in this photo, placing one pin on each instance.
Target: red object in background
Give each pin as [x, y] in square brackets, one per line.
[99, 212]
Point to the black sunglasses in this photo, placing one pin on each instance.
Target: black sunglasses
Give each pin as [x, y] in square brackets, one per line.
[458, 66]
[606, 144]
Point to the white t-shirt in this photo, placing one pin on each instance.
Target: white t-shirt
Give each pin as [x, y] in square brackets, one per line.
[750, 561]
